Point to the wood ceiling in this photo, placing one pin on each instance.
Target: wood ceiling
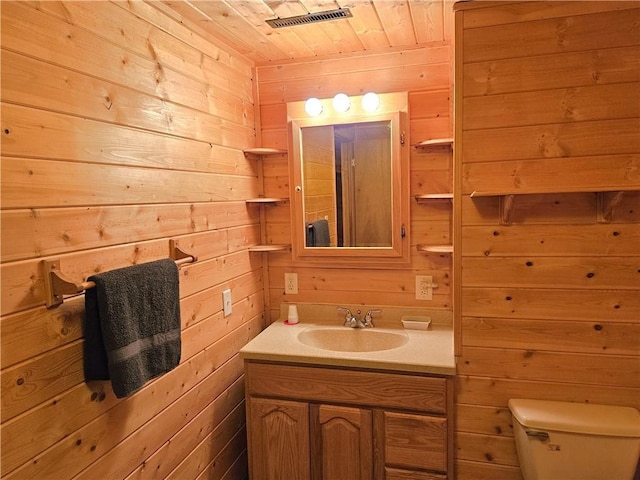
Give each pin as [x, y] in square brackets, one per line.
[376, 26]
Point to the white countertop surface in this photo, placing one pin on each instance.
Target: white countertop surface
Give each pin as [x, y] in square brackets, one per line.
[426, 351]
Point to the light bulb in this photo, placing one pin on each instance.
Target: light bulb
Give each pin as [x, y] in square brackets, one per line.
[313, 107]
[370, 102]
[341, 102]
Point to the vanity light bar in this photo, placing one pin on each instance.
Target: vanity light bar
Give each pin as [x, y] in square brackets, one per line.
[342, 103]
[310, 18]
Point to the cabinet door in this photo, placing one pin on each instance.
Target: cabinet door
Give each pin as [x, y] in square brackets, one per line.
[343, 443]
[278, 439]
[415, 441]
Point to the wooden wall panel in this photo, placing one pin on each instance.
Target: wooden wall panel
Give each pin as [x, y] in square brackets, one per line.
[548, 304]
[557, 140]
[73, 92]
[561, 70]
[425, 73]
[470, 470]
[551, 34]
[557, 335]
[84, 140]
[123, 129]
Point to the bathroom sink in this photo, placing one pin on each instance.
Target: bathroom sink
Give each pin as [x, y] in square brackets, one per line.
[345, 339]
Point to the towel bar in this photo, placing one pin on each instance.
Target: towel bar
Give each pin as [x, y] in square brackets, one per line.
[56, 284]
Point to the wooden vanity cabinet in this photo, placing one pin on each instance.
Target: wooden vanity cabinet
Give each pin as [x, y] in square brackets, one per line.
[328, 423]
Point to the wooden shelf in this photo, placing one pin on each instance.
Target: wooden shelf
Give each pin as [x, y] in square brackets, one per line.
[266, 200]
[607, 200]
[548, 191]
[433, 196]
[435, 248]
[434, 142]
[269, 248]
[259, 151]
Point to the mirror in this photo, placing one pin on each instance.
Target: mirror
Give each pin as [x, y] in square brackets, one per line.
[346, 176]
[349, 180]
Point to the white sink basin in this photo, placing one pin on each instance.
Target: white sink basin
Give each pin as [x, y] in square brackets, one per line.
[345, 339]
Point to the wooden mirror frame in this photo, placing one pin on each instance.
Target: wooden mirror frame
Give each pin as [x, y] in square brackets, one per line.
[393, 108]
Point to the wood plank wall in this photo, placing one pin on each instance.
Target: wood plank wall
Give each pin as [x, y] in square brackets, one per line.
[426, 74]
[547, 97]
[123, 128]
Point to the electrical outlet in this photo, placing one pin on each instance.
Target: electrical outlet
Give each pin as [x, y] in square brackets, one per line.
[227, 305]
[290, 283]
[424, 287]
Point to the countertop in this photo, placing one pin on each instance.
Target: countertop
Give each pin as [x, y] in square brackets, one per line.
[425, 351]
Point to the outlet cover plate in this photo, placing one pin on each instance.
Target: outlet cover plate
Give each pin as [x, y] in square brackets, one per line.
[424, 287]
[227, 304]
[290, 283]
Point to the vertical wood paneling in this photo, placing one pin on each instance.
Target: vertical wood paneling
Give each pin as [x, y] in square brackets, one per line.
[121, 130]
[547, 104]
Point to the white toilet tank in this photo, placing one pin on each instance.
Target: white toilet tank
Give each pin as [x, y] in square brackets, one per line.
[575, 441]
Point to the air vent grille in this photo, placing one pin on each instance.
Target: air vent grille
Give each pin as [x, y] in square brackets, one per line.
[310, 18]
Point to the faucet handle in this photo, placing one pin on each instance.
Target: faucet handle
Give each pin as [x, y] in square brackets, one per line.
[368, 318]
[348, 316]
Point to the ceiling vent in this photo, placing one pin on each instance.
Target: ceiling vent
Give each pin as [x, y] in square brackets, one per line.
[310, 18]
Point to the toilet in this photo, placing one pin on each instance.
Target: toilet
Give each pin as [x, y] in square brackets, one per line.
[575, 441]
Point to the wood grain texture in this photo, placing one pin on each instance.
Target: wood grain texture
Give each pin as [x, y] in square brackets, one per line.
[430, 171]
[122, 129]
[279, 437]
[123, 125]
[379, 389]
[548, 304]
[358, 428]
[416, 441]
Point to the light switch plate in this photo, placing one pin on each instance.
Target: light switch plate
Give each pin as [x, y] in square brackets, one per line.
[227, 305]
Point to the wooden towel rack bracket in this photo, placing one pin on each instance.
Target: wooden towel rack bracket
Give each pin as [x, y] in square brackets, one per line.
[56, 284]
[179, 255]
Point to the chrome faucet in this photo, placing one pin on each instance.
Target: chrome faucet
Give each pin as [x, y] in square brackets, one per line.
[349, 319]
[354, 321]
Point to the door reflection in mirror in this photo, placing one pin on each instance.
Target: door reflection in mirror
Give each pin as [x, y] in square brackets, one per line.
[348, 184]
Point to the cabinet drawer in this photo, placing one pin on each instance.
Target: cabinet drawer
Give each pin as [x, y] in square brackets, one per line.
[415, 441]
[356, 387]
[397, 474]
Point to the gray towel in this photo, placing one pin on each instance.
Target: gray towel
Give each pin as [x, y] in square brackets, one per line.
[318, 234]
[132, 325]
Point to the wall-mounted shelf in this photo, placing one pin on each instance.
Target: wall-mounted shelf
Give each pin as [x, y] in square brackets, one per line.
[424, 198]
[269, 248]
[607, 200]
[434, 142]
[265, 201]
[435, 248]
[262, 152]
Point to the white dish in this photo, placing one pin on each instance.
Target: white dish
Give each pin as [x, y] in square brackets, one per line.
[416, 322]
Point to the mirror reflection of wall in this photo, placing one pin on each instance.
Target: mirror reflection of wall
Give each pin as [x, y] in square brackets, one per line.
[319, 185]
[347, 184]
